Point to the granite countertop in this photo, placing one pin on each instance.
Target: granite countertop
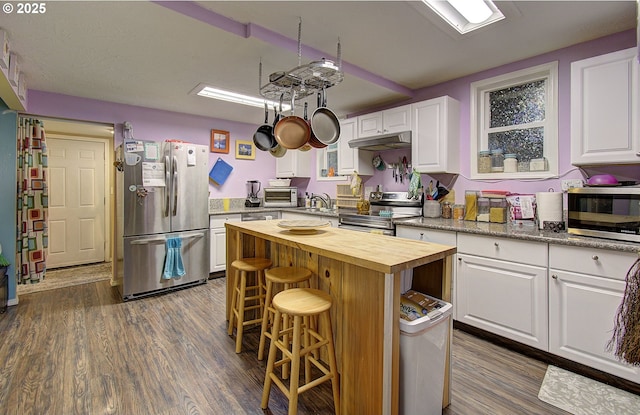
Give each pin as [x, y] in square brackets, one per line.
[528, 232]
[525, 232]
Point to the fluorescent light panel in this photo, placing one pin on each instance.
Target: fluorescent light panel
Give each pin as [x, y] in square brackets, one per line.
[207, 91]
[466, 15]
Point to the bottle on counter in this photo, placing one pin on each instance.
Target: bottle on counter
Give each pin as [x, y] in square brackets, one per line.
[307, 200]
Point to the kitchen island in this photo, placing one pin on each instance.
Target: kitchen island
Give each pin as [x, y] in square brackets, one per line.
[362, 273]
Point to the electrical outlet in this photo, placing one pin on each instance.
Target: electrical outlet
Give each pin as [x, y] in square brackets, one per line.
[568, 184]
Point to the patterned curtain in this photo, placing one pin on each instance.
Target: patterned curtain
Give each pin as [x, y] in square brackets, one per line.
[32, 202]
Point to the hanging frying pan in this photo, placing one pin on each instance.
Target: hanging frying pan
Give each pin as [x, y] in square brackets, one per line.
[324, 123]
[292, 132]
[313, 141]
[263, 137]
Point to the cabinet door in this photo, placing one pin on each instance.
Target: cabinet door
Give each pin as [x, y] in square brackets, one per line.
[218, 250]
[370, 124]
[396, 120]
[352, 159]
[435, 135]
[581, 318]
[605, 110]
[294, 163]
[505, 298]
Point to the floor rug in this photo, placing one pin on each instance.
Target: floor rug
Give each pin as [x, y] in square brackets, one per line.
[580, 395]
[67, 277]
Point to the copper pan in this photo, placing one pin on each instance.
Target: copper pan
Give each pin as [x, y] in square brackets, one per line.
[292, 132]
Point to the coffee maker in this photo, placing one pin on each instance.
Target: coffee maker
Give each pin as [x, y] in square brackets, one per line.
[253, 187]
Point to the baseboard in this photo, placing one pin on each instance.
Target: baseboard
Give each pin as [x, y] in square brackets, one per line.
[12, 302]
[550, 358]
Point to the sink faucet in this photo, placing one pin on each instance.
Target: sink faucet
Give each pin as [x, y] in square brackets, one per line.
[326, 199]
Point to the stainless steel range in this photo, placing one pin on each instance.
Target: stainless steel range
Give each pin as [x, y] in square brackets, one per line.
[385, 208]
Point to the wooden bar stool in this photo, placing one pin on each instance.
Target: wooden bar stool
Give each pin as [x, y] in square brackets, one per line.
[289, 277]
[301, 304]
[239, 297]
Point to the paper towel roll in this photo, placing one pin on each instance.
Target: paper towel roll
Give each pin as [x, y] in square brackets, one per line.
[549, 206]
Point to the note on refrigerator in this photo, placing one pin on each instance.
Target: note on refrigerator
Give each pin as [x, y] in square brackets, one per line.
[153, 174]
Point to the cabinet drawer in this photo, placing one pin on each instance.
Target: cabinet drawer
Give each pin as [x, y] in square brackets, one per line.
[525, 252]
[599, 262]
[427, 235]
[218, 221]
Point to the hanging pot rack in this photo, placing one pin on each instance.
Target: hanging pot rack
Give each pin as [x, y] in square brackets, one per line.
[303, 80]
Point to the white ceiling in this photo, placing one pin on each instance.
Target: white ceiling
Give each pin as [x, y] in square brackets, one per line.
[143, 53]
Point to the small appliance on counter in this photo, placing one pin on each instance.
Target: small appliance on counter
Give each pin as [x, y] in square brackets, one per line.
[280, 196]
[253, 188]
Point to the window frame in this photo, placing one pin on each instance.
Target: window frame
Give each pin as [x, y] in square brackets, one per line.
[479, 114]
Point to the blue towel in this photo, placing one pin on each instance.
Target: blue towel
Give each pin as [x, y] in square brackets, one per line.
[173, 266]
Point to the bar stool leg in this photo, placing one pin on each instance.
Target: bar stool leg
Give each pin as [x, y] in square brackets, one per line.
[234, 296]
[295, 366]
[333, 367]
[268, 378]
[241, 300]
[265, 320]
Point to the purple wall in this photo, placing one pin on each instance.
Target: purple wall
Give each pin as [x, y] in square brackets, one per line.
[150, 124]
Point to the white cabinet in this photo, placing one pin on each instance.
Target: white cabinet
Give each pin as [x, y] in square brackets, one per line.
[605, 112]
[352, 159]
[294, 163]
[586, 287]
[389, 121]
[435, 135]
[502, 287]
[437, 237]
[218, 248]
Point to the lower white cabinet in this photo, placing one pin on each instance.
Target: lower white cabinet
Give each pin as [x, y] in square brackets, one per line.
[502, 287]
[586, 287]
[218, 234]
[437, 237]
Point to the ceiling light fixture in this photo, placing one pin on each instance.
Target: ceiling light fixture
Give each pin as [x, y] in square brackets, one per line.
[466, 15]
[207, 91]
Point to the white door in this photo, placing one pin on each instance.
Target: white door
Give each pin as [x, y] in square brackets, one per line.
[76, 202]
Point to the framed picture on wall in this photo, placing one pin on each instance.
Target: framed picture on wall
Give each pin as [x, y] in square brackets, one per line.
[219, 141]
[245, 150]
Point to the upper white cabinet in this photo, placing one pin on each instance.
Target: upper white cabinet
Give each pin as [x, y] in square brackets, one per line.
[294, 163]
[435, 139]
[605, 111]
[389, 121]
[352, 159]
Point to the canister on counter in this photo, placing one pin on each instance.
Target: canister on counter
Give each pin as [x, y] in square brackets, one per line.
[446, 210]
[458, 212]
[471, 205]
[483, 209]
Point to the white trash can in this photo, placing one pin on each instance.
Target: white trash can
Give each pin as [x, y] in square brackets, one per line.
[423, 349]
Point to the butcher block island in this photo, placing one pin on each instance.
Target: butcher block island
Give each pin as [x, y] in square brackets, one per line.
[362, 273]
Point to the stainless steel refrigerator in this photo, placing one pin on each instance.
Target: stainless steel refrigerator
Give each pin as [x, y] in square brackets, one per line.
[162, 240]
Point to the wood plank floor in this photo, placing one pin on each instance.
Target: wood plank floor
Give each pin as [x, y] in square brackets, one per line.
[81, 350]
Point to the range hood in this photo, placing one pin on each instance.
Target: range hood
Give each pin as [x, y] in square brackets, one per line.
[383, 142]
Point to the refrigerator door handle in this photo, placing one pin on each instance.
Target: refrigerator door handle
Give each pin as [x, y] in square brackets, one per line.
[166, 185]
[148, 241]
[175, 185]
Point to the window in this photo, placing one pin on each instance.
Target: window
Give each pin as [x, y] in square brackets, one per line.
[327, 162]
[517, 113]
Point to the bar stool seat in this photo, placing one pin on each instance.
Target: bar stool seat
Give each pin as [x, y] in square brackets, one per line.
[239, 297]
[301, 304]
[289, 277]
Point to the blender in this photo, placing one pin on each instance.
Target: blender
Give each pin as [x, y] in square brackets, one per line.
[253, 187]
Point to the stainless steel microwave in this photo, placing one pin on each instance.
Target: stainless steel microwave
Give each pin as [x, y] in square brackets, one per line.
[605, 212]
[280, 197]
